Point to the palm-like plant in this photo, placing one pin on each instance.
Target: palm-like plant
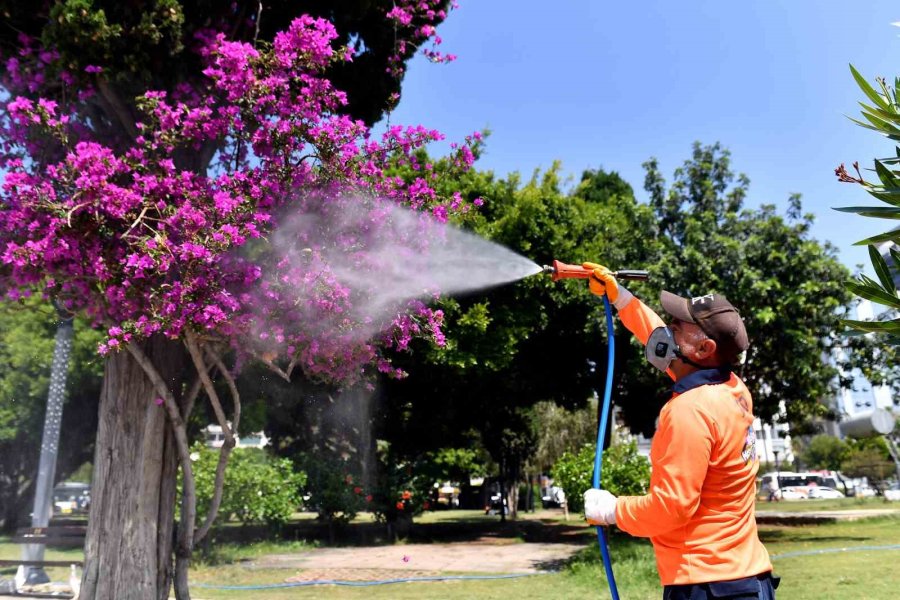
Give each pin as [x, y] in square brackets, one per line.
[881, 115]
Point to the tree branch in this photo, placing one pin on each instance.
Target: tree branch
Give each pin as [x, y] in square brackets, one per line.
[272, 366]
[223, 455]
[197, 356]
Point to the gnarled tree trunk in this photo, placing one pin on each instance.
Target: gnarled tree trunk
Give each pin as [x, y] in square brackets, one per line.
[130, 537]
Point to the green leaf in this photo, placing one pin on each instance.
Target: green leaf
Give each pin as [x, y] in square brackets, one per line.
[890, 236]
[868, 90]
[886, 176]
[874, 293]
[880, 212]
[875, 326]
[881, 269]
[866, 125]
[881, 124]
[868, 281]
[888, 115]
[891, 197]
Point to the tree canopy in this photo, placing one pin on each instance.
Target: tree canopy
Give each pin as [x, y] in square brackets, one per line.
[26, 349]
[534, 341]
[151, 45]
[194, 181]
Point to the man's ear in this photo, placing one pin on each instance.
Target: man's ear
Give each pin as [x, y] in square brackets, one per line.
[706, 348]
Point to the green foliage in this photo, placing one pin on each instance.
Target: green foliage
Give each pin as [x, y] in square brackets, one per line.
[558, 430]
[27, 331]
[825, 452]
[869, 462]
[456, 464]
[535, 340]
[258, 488]
[404, 487]
[787, 285]
[512, 347]
[407, 487]
[152, 43]
[624, 472]
[334, 487]
[883, 116]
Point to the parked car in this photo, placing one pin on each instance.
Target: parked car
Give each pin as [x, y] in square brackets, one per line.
[864, 492]
[553, 497]
[71, 498]
[821, 492]
[793, 493]
[893, 494]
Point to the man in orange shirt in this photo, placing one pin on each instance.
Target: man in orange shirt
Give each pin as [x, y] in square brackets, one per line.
[699, 512]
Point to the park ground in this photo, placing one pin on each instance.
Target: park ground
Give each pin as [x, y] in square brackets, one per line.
[549, 557]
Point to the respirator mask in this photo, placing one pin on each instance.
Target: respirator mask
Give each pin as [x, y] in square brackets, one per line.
[661, 348]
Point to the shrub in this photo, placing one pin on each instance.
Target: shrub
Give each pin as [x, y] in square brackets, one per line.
[258, 488]
[624, 472]
[335, 490]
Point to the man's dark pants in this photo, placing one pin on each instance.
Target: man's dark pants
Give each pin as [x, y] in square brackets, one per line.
[758, 587]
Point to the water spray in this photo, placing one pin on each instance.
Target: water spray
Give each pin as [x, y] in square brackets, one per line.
[560, 270]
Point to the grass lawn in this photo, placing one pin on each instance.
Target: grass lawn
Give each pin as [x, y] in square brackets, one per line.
[837, 504]
[845, 575]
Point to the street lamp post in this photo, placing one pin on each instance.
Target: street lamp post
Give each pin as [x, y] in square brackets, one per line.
[777, 474]
[43, 494]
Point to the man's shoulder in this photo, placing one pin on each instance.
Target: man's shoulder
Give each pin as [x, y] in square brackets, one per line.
[696, 400]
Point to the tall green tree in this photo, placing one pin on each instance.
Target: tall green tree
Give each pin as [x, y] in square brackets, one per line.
[27, 332]
[558, 430]
[825, 452]
[148, 45]
[101, 102]
[786, 284]
[511, 347]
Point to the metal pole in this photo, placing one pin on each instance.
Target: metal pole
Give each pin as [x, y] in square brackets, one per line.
[43, 495]
[777, 473]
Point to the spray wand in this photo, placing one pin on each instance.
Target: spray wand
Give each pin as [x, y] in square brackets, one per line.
[559, 270]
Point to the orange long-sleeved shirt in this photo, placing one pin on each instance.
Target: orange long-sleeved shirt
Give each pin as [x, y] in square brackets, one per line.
[700, 512]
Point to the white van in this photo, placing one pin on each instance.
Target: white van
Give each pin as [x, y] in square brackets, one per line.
[801, 486]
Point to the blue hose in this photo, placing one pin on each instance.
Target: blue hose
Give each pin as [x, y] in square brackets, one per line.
[601, 433]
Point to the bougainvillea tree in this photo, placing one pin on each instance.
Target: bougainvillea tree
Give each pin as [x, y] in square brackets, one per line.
[199, 222]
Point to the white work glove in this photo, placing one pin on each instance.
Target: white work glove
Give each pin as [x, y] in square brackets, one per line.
[599, 507]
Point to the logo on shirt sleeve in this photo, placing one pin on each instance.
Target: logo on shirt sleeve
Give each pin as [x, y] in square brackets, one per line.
[749, 451]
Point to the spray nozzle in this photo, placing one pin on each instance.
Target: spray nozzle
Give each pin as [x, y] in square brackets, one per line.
[560, 270]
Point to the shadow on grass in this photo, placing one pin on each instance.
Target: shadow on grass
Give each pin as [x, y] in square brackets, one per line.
[780, 535]
[622, 548]
[231, 543]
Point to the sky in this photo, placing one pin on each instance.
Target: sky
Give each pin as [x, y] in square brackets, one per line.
[599, 84]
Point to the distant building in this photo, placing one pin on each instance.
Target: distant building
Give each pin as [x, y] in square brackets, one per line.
[862, 397]
[773, 441]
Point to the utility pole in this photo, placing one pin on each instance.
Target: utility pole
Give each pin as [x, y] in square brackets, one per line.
[43, 494]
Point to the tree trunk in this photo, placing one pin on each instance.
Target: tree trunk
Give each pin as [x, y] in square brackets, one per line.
[513, 495]
[130, 537]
